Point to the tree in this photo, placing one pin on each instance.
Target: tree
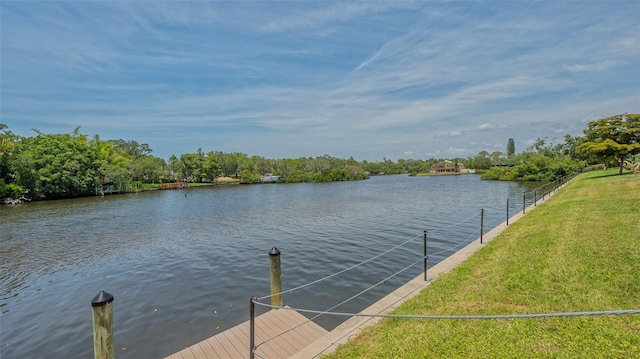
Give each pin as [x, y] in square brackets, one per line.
[496, 157]
[613, 138]
[56, 165]
[8, 146]
[542, 145]
[112, 164]
[191, 168]
[173, 168]
[570, 147]
[482, 161]
[511, 147]
[211, 166]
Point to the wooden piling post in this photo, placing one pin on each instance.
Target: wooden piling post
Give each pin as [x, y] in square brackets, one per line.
[102, 306]
[275, 277]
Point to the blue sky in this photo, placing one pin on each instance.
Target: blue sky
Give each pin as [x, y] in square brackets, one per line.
[370, 80]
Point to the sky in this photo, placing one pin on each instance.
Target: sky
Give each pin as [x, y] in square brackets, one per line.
[288, 79]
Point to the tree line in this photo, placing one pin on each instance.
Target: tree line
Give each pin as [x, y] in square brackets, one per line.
[610, 141]
[73, 164]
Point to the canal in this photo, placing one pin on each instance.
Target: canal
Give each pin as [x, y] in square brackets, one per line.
[182, 264]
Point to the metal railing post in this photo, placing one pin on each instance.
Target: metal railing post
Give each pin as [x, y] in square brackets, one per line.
[507, 211]
[481, 224]
[252, 327]
[424, 240]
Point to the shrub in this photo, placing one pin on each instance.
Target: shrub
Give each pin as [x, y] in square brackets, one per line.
[10, 190]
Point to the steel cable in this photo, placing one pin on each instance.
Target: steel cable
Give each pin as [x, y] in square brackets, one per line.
[500, 316]
[335, 306]
[340, 272]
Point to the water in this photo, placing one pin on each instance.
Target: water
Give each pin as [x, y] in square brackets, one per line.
[183, 264]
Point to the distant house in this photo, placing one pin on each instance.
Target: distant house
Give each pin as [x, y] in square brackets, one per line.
[448, 167]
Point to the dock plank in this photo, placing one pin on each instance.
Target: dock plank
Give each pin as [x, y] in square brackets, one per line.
[211, 351]
[234, 342]
[227, 346]
[265, 346]
[239, 345]
[294, 335]
[214, 349]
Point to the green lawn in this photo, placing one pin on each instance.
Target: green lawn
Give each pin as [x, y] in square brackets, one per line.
[580, 251]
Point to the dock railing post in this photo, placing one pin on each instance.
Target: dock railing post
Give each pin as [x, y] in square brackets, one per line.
[424, 241]
[102, 308]
[275, 277]
[481, 224]
[252, 327]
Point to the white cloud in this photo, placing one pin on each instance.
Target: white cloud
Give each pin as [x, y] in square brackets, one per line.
[448, 134]
[490, 126]
[589, 67]
[457, 150]
[324, 16]
[590, 117]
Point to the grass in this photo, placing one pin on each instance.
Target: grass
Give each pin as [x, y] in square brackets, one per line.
[579, 251]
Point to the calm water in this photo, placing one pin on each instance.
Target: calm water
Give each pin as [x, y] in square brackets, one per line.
[183, 264]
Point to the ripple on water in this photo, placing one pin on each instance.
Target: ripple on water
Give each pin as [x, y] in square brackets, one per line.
[182, 268]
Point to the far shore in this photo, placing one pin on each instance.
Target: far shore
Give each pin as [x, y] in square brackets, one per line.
[442, 173]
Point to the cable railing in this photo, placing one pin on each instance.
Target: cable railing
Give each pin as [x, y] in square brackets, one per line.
[514, 204]
[339, 272]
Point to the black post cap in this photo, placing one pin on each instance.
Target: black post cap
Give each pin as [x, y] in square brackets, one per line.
[274, 252]
[101, 299]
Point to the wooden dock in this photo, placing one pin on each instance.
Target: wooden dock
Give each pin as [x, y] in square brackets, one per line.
[174, 185]
[234, 342]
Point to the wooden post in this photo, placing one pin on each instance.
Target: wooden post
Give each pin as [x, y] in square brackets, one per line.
[481, 224]
[274, 277]
[535, 197]
[102, 305]
[524, 201]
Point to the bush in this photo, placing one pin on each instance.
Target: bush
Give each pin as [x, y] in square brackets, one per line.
[10, 190]
[496, 173]
[594, 168]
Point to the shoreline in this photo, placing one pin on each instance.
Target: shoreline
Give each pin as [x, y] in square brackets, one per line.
[221, 181]
[426, 174]
[352, 327]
